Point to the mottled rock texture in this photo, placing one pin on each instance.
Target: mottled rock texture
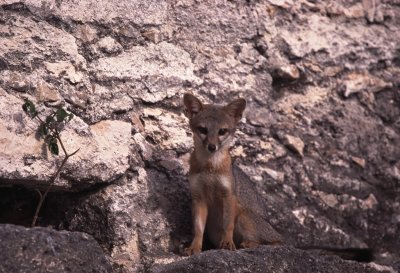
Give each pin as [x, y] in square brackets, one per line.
[264, 259]
[320, 138]
[47, 250]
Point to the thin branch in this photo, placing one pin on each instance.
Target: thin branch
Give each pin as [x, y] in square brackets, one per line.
[39, 192]
[53, 180]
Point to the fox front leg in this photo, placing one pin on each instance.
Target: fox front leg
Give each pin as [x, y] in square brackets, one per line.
[228, 222]
[199, 211]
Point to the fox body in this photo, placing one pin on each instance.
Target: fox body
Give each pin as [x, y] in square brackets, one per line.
[224, 204]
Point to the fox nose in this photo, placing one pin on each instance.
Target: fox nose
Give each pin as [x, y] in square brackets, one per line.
[211, 147]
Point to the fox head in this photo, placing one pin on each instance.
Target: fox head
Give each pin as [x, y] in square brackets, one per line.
[212, 125]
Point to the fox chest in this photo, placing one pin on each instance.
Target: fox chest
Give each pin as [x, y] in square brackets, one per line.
[210, 186]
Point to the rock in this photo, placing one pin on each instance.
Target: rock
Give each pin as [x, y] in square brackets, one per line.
[46, 93]
[373, 11]
[279, 176]
[258, 117]
[356, 82]
[282, 3]
[137, 123]
[85, 32]
[153, 34]
[39, 40]
[303, 42]
[287, 72]
[335, 8]
[262, 259]
[95, 162]
[104, 101]
[369, 202]
[329, 199]
[16, 81]
[162, 69]
[355, 11]
[294, 143]
[359, 161]
[140, 13]
[145, 149]
[48, 250]
[166, 130]
[109, 45]
[136, 217]
[65, 68]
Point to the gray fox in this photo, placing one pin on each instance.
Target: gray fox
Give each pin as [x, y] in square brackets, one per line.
[224, 204]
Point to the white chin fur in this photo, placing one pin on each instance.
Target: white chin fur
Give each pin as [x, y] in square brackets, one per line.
[216, 158]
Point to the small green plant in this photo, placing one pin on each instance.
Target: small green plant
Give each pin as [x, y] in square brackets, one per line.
[49, 129]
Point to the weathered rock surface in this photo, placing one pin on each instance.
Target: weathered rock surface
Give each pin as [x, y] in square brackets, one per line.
[319, 140]
[263, 259]
[47, 250]
[25, 160]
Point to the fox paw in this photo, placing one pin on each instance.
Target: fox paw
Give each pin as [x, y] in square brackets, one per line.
[227, 244]
[249, 244]
[189, 251]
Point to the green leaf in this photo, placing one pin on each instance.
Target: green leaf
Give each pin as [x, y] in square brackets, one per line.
[43, 129]
[61, 114]
[29, 108]
[25, 107]
[49, 119]
[53, 146]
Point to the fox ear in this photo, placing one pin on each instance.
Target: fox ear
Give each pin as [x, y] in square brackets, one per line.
[192, 105]
[236, 108]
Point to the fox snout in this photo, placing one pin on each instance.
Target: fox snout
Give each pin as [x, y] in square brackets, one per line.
[207, 141]
[211, 147]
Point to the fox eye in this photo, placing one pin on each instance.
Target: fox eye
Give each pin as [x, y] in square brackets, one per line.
[222, 131]
[202, 130]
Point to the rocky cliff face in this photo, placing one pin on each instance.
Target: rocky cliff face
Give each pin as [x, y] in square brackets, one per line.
[320, 139]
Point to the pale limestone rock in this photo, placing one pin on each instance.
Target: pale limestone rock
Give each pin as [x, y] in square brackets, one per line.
[282, 3]
[287, 72]
[161, 68]
[276, 175]
[16, 81]
[66, 69]
[373, 11]
[109, 45]
[305, 41]
[370, 202]
[46, 93]
[363, 81]
[137, 123]
[167, 130]
[24, 157]
[355, 11]
[138, 12]
[295, 143]
[359, 161]
[25, 39]
[328, 198]
[85, 33]
[144, 147]
[153, 34]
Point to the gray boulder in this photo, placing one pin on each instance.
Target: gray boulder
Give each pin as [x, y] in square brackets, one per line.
[263, 259]
[47, 250]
